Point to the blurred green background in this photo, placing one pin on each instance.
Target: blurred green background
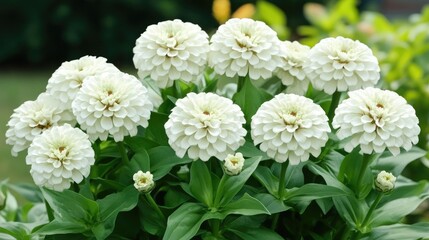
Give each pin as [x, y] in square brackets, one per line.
[37, 36]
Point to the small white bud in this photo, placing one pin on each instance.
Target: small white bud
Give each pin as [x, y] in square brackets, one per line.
[234, 164]
[143, 182]
[385, 182]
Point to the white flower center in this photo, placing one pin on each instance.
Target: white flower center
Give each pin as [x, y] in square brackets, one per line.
[291, 120]
[40, 121]
[378, 113]
[245, 40]
[59, 154]
[109, 99]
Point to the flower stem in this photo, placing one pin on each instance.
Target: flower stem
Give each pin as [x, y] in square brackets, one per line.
[123, 152]
[154, 205]
[240, 83]
[334, 103]
[49, 211]
[282, 181]
[363, 225]
[365, 162]
[215, 224]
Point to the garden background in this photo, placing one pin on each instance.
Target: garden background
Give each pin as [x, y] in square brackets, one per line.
[37, 36]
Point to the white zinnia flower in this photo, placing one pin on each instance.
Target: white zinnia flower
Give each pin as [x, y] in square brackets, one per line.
[59, 156]
[385, 181]
[171, 50]
[233, 164]
[376, 119]
[205, 125]
[244, 47]
[291, 72]
[66, 81]
[112, 104]
[341, 64]
[32, 118]
[290, 127]
[143, 181]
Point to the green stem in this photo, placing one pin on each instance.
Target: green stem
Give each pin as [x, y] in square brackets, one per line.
[215, 224]
[365, 162]
[154, 205]
[282, 181]
[371, 209]
[49, 211]
[240, 83]
[123, 152]
[334, 103]
[275, 221]
[356, 234]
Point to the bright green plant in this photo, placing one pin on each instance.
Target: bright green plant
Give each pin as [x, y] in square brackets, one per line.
[142, 185]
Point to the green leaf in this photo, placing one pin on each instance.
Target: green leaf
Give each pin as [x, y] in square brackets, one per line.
[265, 176]
[256, 233]
[62, 227]
[246, 205]
[110, 206]
[400, 231]
[250, 98]
[69, 206]
[273, 204]
[250, 150]
[163, 159]
[394, 210]
[138, 143]
[15, 230]
[156, 130]
[150, 220]
[349, 174]
[229, 186]
[396, 164]
[350, 209]
[200, 183]
[185, 222]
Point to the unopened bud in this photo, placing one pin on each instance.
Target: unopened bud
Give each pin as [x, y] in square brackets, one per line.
[385, 182]
[234, 164]
[143, 182]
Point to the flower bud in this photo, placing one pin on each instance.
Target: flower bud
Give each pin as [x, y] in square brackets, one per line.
[385, 182]
[234, 164]
[143, 182]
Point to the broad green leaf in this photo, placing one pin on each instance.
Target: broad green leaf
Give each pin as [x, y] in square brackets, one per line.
[250, 150]
[156, 131]
[200, 183]
[58, 226]
[396, 164]
[250, 98]
[246, 205]
[140, 161]
[349, 174]
[69, 206]
[312, 191]
[350, 209]
[229, 186]
[273, 204]
[15, 230]
[394, 211]
[256, 233]
[150, 220]
[138, 143]
[265, 176]
[31, 192]
[400, 231]
[110, 206]
[163, 159]
[184, 223]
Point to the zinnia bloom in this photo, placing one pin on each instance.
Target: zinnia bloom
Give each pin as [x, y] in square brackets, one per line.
[171, 50]
[112, 104]
[143, 181]
[205, 125]
[376, 119]
[243, 47]
[290, 127]
[66, 81]
[59, 156]
[341, 64]
[291, 72]
[32, 118]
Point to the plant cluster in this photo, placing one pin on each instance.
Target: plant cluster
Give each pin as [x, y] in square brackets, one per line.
[236, 136]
